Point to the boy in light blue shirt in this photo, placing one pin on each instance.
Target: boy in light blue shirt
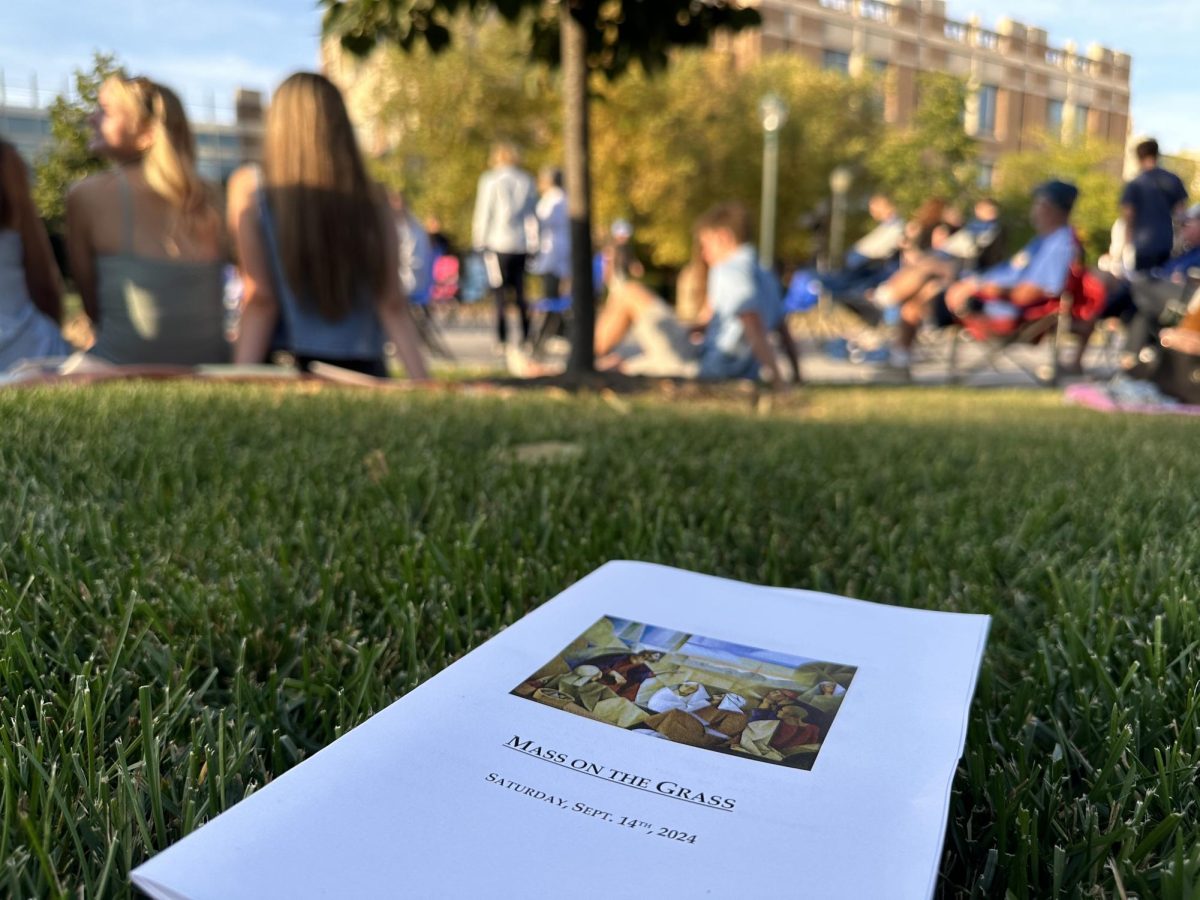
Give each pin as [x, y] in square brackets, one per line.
[736, 321]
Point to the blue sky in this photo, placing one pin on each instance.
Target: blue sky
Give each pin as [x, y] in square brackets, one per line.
[206, 48]
[202, 48]
[1162, 36]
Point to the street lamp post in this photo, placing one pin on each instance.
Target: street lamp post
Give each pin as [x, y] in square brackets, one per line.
[774, 115]
[840, 180]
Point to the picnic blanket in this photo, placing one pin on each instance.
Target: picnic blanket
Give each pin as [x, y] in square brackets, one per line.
[1110, 398]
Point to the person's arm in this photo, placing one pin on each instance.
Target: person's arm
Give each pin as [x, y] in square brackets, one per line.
[756, 334]
[483, 212]
[959, 294]
[260, 307]
[81, 256]
[703, 316]
[1128, 213]
[1047, 271]
[394, 314]
[1179, 197]
[41, 271]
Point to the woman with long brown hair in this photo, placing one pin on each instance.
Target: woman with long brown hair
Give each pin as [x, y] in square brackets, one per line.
[30, 286]
[317, 244]
[144, 238]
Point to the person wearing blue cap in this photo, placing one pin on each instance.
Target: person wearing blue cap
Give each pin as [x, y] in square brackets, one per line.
[1038, 273]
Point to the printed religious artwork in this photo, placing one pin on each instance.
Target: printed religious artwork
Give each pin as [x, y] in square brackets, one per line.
[758, 704]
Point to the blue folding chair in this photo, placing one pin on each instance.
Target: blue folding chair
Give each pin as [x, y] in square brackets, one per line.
[554, 312]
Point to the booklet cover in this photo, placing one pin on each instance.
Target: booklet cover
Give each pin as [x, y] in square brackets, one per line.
[648, 729]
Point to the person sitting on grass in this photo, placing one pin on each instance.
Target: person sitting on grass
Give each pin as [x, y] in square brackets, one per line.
[735, 321]
[30, 284]
[144, 237]
[1036, 274]
[318, 242]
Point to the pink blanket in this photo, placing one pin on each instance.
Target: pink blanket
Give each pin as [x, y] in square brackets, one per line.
[1096, 396]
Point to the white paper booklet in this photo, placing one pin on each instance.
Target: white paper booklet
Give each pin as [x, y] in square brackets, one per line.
[648, 729]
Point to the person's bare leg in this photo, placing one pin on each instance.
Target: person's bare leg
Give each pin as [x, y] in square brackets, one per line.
[959, 293]
[613, 323]
[1083, 331]
[913, 313]
[626, 303]
[905, 284]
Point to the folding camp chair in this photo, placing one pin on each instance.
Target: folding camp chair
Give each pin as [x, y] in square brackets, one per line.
[421, 305]
[1045, 322]
[554, 312]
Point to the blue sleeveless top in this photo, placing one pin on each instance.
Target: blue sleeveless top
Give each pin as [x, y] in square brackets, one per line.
[358, 335]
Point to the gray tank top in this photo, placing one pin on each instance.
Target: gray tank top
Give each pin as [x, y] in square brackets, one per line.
[157, 311]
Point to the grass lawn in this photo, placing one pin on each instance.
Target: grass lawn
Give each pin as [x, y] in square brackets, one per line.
[200, 585]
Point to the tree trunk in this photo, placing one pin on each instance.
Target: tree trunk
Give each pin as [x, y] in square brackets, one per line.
[579, 188]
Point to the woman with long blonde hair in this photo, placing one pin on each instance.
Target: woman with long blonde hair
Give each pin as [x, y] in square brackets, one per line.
[317, 244]
[144, 238]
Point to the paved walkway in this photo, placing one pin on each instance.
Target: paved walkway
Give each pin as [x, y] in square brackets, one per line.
[472, 343]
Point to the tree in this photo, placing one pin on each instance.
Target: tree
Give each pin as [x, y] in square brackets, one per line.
[69, 158]
[428, 102]
[934, 157]
[1092, 166]
[602, 36]
[671, 144]
[675, 144]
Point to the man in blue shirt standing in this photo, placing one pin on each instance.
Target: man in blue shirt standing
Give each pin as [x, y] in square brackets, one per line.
[1149, 205]
[736, 320]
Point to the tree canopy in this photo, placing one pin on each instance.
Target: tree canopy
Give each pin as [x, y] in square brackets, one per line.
[69, 158]
[665, 147]
[1089, 165]
[619, 32]
[934, 157]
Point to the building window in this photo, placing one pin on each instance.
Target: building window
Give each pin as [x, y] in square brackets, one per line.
[15, 125]
[955, 31]
[879, 66]
[1082, 114]
[836, 61]
[988, 94]
[875, 11]
[1054, 117]
[987, 175]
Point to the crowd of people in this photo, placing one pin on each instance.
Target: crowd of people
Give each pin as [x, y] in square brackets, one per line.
[327, 263]
[937, 269]
[315, 241]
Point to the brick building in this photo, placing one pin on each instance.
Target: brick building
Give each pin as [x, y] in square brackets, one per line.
[1022, 87]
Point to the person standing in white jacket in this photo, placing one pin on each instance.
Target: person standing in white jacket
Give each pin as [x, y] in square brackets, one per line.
[505, 215]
